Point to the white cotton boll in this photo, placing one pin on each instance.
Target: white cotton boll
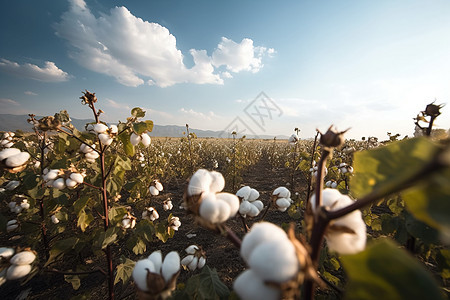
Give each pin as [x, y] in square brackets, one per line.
[86, 149]
[52, 174]
[254, 194]
[217, 183]
[159, 186]
[91, 156]
[282, 192]
[70, 183]
[54, 219]
[12, 204]
[12, 227]
[245, 207]
[193, 264]
[145, 139]
[105, 139]
[17, 272]
[274, 261]
[126, 223]
[25, 204]
[59, 184]
[141, 268]
[254, 211]
[12, 185]
[170, 266]
[153, 190]
[18, 209]
[156, 258]
[167, 205]
[6, 252]
[231, 200]
[113, 129]
[350, 169]
[191, 249]
[200, 182]
[224, 211]
[334, 185]
[259, 233]
[77, 177]
[187, 260]
[250, 287]
[201, 262]
[259, 205]
[100, 128]
[23, 258]
[283, 203]
[244, 192]
[328, 183]
[5, 153]
[343, 170]
[135, 139]
[209, 210]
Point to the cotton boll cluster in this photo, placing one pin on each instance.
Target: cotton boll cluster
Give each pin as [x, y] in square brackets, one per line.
[143, 138]
[59, 179]
[204, 198]
[331, 184]
[20, 263]
[174, 223]
[167, 205]
[13, 158]
[89, 153]
[141, 159]
[157, 277]
[150, 214]
[271, 257]
[54, 219]
[346, 235]
[249, 204]
[7, 140]
[128, 221]
[344, 168]
[282, 198]
[17, 208]
[293, 139]
[196, 258]
[105, 134]
[156, 187]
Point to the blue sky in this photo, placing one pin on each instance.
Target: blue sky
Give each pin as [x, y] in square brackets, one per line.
[368, 65]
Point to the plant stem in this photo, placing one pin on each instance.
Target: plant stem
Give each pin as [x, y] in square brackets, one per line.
[308, 193]
[41, 200]
[190, 150]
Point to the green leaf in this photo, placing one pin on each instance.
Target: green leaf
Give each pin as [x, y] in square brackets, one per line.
[149, 125]
[383, 271]
[443, 259]
[116, 214]
[124, 271]
[141, 127]
[60, 248]
[74, 280]
[139, 247]
[331, 278]
[384, 167]
[124, 137]
[145, 230]
[80, 204]
[206, 285]
[137, 112]
[421, 230]
[110, 236]
[84, 219]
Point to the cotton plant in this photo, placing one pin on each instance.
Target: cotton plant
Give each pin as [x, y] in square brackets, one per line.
[345, 235]
[195, 259]
[204, 198]
[281, 197]
[293, 139]
[155, 277]
[249, 203]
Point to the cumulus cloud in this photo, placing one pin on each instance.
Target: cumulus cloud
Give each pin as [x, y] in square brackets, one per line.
[30, 93]
[135, 51]
[49, 73]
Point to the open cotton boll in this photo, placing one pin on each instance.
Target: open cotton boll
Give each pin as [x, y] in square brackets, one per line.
[329, 198]
[54, 219]
[100, 128]
[209, 210]
[159, 186]
[105, 139]
[6, 252]
[145, 140]
[170, 266]
[59, 184]
[86, 149]
[23, 258]
[200, 182]
[70, 183]
[231, 200]
[259, 233]
[5, 153]
[254, 194]
[113, 129]
[140, 273]
[224, 211]
[191, 249]
[250, 287]
[245, 207]
[12, 204]
[274, 261]
[259, 205]
[254, 211]
[193, 264]
[282, 192]
[52, 174]
[244, 192]
[17, 271]
[217, 183]
[154, 191]
[283, 203]
[156, 258]
[201, 262]
[17, 160]
[77, 177]
[187, 260]
[135, 139]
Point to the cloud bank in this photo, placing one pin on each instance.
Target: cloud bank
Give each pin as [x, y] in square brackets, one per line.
[49, 73]
[135, 51]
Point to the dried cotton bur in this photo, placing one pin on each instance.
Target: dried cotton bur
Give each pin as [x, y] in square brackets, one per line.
[277, 264]
[156, 278]
[345, 235]
[249, 206]
[203, 197]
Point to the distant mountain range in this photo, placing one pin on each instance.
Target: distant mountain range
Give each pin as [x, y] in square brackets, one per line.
[10, 122]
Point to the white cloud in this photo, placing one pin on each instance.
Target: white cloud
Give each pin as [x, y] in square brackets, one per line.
[5, 101]
[191, 113]
[117, 105]
[49, 73]
[135, 51]
[30, 93]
